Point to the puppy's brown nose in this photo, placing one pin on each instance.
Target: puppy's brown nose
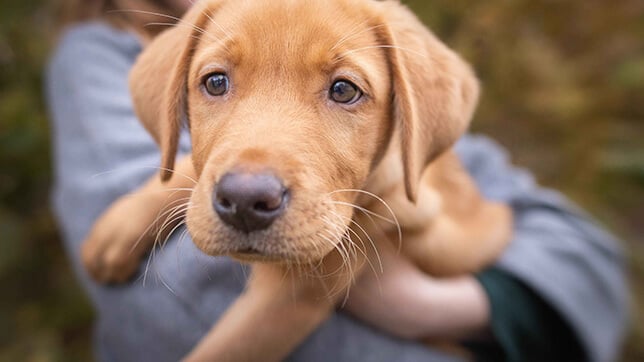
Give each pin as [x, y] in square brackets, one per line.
[249, 201]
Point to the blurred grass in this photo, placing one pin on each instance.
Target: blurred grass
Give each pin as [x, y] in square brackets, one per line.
[44, 316]
[563, 90]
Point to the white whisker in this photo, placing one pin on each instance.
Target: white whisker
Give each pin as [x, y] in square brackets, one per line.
[144, 167]
[366, 211]
[176, 213]
[341, 246]
[147, 230]
[373, 244]
[178, 20]
[348, 36]
[228, 34]
[384, 203]
[382, 47]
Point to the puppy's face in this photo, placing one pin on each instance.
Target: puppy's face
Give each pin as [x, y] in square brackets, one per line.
[290, 105]
[287, 93]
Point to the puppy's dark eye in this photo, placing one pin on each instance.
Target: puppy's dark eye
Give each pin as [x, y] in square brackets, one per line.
[216, 84]
[345, 92]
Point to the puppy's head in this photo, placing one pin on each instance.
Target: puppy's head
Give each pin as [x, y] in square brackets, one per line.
[290, 105]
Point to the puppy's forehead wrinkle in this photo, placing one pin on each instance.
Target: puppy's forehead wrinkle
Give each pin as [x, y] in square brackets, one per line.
[298, 30]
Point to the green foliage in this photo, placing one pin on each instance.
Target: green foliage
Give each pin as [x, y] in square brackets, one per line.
[44, 314]
[563, 89]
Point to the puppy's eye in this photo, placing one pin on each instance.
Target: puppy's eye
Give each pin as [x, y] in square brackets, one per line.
[216, 84]
[345, 92]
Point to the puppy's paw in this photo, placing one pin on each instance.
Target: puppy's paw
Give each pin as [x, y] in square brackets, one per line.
[118, 240]
[108, 261]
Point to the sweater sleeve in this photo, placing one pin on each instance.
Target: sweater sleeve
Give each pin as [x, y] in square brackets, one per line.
[558, 252]
[98, 144]
[524, 326]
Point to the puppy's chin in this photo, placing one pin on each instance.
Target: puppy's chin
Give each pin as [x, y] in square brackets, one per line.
[256, 256]
[264, 246]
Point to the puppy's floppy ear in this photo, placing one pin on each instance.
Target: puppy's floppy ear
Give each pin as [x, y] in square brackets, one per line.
[434, 91]
[158, 82]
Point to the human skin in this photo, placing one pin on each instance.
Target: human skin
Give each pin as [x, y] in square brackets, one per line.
[408, 303]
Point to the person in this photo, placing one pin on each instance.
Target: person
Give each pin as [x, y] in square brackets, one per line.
[557, 292]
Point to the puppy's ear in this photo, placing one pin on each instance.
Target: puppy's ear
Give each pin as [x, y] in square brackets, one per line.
[158, 82]
[434, 91]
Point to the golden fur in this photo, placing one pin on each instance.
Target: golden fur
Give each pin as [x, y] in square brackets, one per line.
[352, 169]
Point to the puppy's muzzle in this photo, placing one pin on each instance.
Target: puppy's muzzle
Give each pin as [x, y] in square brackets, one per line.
[250, 201]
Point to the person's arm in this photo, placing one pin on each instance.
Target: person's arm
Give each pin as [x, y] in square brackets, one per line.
[497, 316]
[558, 252]
[557, 293]
[524, 326]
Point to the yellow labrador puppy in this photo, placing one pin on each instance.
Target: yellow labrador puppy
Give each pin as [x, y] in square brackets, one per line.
[320, 130]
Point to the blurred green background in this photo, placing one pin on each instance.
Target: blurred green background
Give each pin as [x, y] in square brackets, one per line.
[563, 90]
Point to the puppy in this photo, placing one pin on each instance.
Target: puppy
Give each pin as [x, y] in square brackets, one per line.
[320, 130]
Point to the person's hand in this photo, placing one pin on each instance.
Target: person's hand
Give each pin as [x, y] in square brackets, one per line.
[410, 304]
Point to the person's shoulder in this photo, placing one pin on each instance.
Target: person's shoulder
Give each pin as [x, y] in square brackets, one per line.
[94, 44]
[99, 36]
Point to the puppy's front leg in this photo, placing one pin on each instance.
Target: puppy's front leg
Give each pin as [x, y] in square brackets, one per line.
[279, 309]
[128, 229]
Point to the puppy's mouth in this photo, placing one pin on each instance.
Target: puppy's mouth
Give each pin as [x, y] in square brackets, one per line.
[252, 254]
[272, 246]
[250, 251]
